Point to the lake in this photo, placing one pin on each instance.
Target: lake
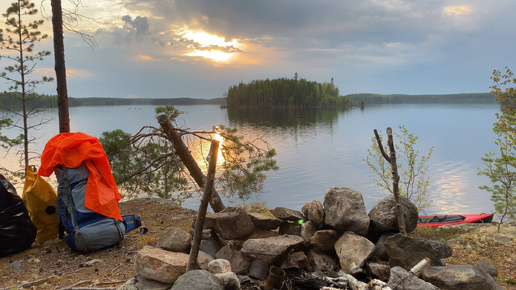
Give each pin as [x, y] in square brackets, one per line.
[318, 149]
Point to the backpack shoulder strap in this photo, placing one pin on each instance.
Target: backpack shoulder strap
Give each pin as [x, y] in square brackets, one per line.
[66, 195]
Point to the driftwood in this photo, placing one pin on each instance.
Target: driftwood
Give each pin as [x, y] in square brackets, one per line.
[30, 284]
[395, 177]
[184, 154]
[201, 215]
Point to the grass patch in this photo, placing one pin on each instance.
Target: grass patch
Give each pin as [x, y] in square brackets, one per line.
[444, 233]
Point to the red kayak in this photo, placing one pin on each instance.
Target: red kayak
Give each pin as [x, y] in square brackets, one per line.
[433, 221]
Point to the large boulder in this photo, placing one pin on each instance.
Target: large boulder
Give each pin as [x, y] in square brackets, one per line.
[265, 222]
[460, 277]
[197, 279]
[160, 265]
[324, 241]
[353, 250]
[400, 278]
[344, 210]
[384, 219]
[287, 214]
[314, 211]
[230, 224]
[406, 251]
[270, 249]
[175, 240]
[239, 264]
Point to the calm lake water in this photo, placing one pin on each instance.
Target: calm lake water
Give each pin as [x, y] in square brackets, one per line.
[318, 149]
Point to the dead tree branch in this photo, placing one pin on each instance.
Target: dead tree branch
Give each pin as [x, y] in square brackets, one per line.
[395, 177]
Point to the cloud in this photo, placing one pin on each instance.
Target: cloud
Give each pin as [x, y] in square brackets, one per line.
[383, 46]
[141, 57]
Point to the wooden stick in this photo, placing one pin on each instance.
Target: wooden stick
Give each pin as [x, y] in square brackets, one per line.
[30, 283]
[201, 215]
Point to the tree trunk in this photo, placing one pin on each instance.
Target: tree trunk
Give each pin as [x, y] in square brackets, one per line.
[188, 160]
[201, 215]
[395, 177]
[60, 68]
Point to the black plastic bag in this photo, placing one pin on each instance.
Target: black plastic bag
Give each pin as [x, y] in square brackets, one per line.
[17, 232]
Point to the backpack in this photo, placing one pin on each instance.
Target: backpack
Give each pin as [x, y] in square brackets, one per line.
[87, 199]
[86, 230]
[17, 232]
[40, 199]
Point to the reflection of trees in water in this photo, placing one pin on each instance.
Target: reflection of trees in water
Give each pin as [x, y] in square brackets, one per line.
[285, 118]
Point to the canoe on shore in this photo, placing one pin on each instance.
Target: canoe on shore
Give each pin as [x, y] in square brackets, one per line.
[433, 221]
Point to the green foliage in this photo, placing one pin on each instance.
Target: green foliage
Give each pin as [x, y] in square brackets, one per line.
[245, 163]
[413, 182]
[144, 166]
[285, 93]
[147, 164]
[500, 168]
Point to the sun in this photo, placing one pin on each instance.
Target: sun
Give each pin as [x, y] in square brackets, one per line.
[210, 46]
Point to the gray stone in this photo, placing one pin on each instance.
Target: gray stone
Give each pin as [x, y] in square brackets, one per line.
[284, 213]
[406, 251]
[353, 250]
[211, 245]
[160, 265]
[308, 229]
[324, 241]
[401, 279]
[344, 210]
[239, 264]
[384, 219]
[321, 261]
[378, 271]
[488, 267]
[290, 228]
[459, 277]
[218, 266]
[265, 222]
[143, 283]
[314, 211]
[270, 249]
[203, 260]
[297, 260]
[197, 279]
[229, 280]
[379, 249]
[175, 240]
[230, 224]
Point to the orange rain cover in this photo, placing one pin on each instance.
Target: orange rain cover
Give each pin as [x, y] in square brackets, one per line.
[72, 149]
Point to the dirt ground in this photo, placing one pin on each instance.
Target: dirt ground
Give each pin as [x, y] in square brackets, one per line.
[53, 265]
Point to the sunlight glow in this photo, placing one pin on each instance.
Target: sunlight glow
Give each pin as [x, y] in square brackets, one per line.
[212, 54]
[457, 10]
[206, 40]
[142, 57]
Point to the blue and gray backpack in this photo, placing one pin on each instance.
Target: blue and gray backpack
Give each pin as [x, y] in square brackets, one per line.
[85, 230]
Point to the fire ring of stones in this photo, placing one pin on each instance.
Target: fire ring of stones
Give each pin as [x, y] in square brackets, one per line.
[334, 244]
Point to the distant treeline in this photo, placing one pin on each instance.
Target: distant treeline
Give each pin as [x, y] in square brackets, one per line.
[423, 99]
[300, 93]
[279, 93]
[7, 101]
[285, 93]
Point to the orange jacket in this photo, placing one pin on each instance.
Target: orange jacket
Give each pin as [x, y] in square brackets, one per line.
[72, 149]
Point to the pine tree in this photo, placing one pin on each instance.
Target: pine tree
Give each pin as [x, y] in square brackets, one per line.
[19, 43]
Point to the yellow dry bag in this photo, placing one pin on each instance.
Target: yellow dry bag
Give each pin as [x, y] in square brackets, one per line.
[40, 199]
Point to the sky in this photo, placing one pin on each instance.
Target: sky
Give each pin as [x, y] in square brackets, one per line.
[199, 48]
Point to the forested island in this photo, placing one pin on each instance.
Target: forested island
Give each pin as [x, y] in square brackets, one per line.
[275, 93]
